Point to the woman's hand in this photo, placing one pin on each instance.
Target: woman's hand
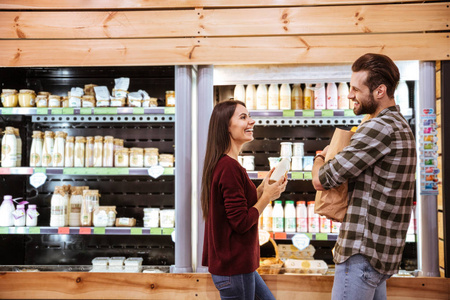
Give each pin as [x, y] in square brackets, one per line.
[260, 188]
[270, 192]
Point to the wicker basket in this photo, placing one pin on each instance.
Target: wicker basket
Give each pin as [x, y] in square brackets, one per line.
[271, 265]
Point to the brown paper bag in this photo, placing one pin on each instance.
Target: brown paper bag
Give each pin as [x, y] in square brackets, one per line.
[333, 203]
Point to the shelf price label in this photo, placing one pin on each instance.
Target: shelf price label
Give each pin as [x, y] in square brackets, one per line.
[63, 230]
[297, 175]
[169, 110]
[85, 111]
[327, 113]
[308, 113]
[321, 237]
[301, 241]
[280, 235]
[7, 111]
[67, 111]
[138, 110]
[85, 230]
[34, 230]
[289, 113]
[264, 237]
[167, 231]
[105, 111]
[137, 231]
[307, 175]
[57, 111]
[349, 113]
[155, 231]
[42, 111]
[99, 230]
[4, 230]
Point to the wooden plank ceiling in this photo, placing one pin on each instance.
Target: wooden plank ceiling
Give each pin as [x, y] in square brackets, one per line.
[101, 33]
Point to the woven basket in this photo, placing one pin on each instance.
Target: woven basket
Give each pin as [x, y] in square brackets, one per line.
[271, 265]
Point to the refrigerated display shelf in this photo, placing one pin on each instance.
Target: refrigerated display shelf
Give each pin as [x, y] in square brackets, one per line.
[87, 230]
[306, 113]
[82, 171]
[160, 110]
[312, 236]
[293, 175]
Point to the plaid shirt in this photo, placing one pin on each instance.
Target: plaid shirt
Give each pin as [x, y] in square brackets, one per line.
[380, 164]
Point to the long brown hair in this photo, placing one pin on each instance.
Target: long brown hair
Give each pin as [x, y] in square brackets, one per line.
[218, 143]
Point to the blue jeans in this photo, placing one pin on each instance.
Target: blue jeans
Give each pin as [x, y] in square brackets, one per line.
[242, 287]
[356, 279]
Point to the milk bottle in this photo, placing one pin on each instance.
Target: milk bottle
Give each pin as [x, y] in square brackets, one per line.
[261, 97]
[274, 96]
[308, 97]
[285, 96]
[289, 216]
[332, 96]
[319, 96]
[9, 148]
[343, 101]
[267, 218]
[278, 217]
[297, 97]
[239, 92]
[250, 97]
[302, 216]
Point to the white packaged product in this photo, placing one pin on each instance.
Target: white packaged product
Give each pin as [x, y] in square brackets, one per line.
[36, 149]
[273, 97]
[32, 215]
[58, 207]
[108, 151]
[280, 170]
[305, 266]
[58, 149]
[151, 217]
[75, 97]
[76, 198]
[6, 211]
[313, 218]
[9, 148]
[167, 218]
[100, 217]
[116, 264]
[298, 149]
[302, 216]
[286, 149]
[102, 96]
[285, 96]
[289, 217]
[273, 161]
[297, 163]
[19, 215]
[277, 217]
[47, 149]
[69, 152]
[248, 162]
[133, 265]
[250, 97]
[79, 151]
[136, 157]
[121, 158]
[135, 99]
[308, 162]
[100, 264]
[98, 151]
[120, 89]
[267, 218]
[89, 158]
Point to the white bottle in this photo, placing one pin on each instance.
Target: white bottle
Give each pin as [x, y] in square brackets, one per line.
[332, 96]
[250, 97]
[297, 97]
[19, 215]
[289, 217]
[285, 96]
[19, 147]
[108, 151]
[59, 149]
[267, 218]
[98, 151]
[278, 217]
[32, 215]
[36, 149]
[313, 218]
[79, 151]
[69, 152]
[308, 97]
[280, 170]
[325, 224]
[9, 148]
[58, 210]
[402, 98]
[239, 92]
[47, 149]
[319, 96]
[302, 216]
[261, 97]
[89, 159]
[6, 211]
[335, 226]
[343, 101]
[274, 96]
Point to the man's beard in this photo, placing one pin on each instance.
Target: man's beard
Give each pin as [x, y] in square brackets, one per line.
[366, 107]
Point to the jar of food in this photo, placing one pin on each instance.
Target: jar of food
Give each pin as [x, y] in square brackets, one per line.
[150, 102]
[98, 151]
[54, 101]
[136, 157]
[9, 98]
[79, 151]
[170, 98]
[118, 144]
[58, 207]
[117, 101]
[151, 157]
[27, 98]
[42, 93]
[249, 162]
[65, 101]
[108, 151]
[89, 89]
[166, 160]
[41, 101]
[89, 161]
[88, 101]
[121, 158]
[69, 151]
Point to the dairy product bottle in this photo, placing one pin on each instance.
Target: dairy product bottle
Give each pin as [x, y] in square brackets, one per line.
[261, 97]
[343, 101]
[308, 97]
[325, 224]
[335, 226]
[274, 96]
[239, 92]
[47, 149]
[250, 97]
[289, 217]
[36, 149]
[69, 152]
[59, 149]
[19, 147]
[280, 170]
[285, 96]
[79, 152]
[297, 97]
[313, 218]
[332, 96]
[402, 97]
[19, 215]
[267, 218]
[9, 148]
[278, 217]
[319, 96]
[6, 211]
[302, 216]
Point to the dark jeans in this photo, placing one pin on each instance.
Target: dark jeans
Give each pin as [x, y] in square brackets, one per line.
[242, 287]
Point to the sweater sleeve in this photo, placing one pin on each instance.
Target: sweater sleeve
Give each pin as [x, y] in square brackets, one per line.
[232, 186]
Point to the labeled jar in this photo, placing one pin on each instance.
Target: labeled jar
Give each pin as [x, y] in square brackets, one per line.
[118, 144]
[151, 157]
[47, 149]
[121, 158]
[286, 149]
[298, 149]
[249, 162]
[136, 157]
[98, 151]
[58, 207]
[76, 197]
[79, 151]
[89, 159]
[297, 163]
[9, 97]
[36, 149]
[54, 101]
[166, 160]
[108, 151]
[27, 98]
[69, 152]
[32, 215]
[19, 215]
[150, 102]
[117, 101]
[170, 98]
[64, 101]
[41, 101]
[151, 217]
[88, 101]
[58, 149]
[9, 148]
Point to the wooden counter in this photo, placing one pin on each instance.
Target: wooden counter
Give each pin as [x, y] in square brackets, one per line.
[76, 285]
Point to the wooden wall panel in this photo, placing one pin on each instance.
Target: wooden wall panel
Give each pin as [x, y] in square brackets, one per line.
[438, 84]
[145, 4]
[268, 50]
[441, 254]
[225, 22]
[440, 218]
[74, 285]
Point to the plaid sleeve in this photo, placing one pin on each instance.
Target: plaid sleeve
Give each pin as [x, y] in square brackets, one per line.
[370, 142]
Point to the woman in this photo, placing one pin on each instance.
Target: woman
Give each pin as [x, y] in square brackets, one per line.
[231, 206]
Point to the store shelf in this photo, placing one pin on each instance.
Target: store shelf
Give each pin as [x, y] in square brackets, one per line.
[312, 236]
[87, 230]
[161, 110]
[82, 171]
[328, 113]
[300, 175]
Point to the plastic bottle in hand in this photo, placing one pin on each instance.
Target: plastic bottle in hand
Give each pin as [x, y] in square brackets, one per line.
[280, 170]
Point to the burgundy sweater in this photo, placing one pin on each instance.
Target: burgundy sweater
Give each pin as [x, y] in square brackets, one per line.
[231, 244]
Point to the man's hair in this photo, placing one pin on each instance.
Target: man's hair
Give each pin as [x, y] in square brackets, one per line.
[380, 70]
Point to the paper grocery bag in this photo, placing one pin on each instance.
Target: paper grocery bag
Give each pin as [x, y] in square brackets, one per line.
[333, 203]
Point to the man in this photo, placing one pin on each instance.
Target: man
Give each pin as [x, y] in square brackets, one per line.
[380, 164]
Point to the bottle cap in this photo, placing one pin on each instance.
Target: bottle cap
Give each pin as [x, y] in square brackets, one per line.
[7, 197]
[290, 202]
[278, 202]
